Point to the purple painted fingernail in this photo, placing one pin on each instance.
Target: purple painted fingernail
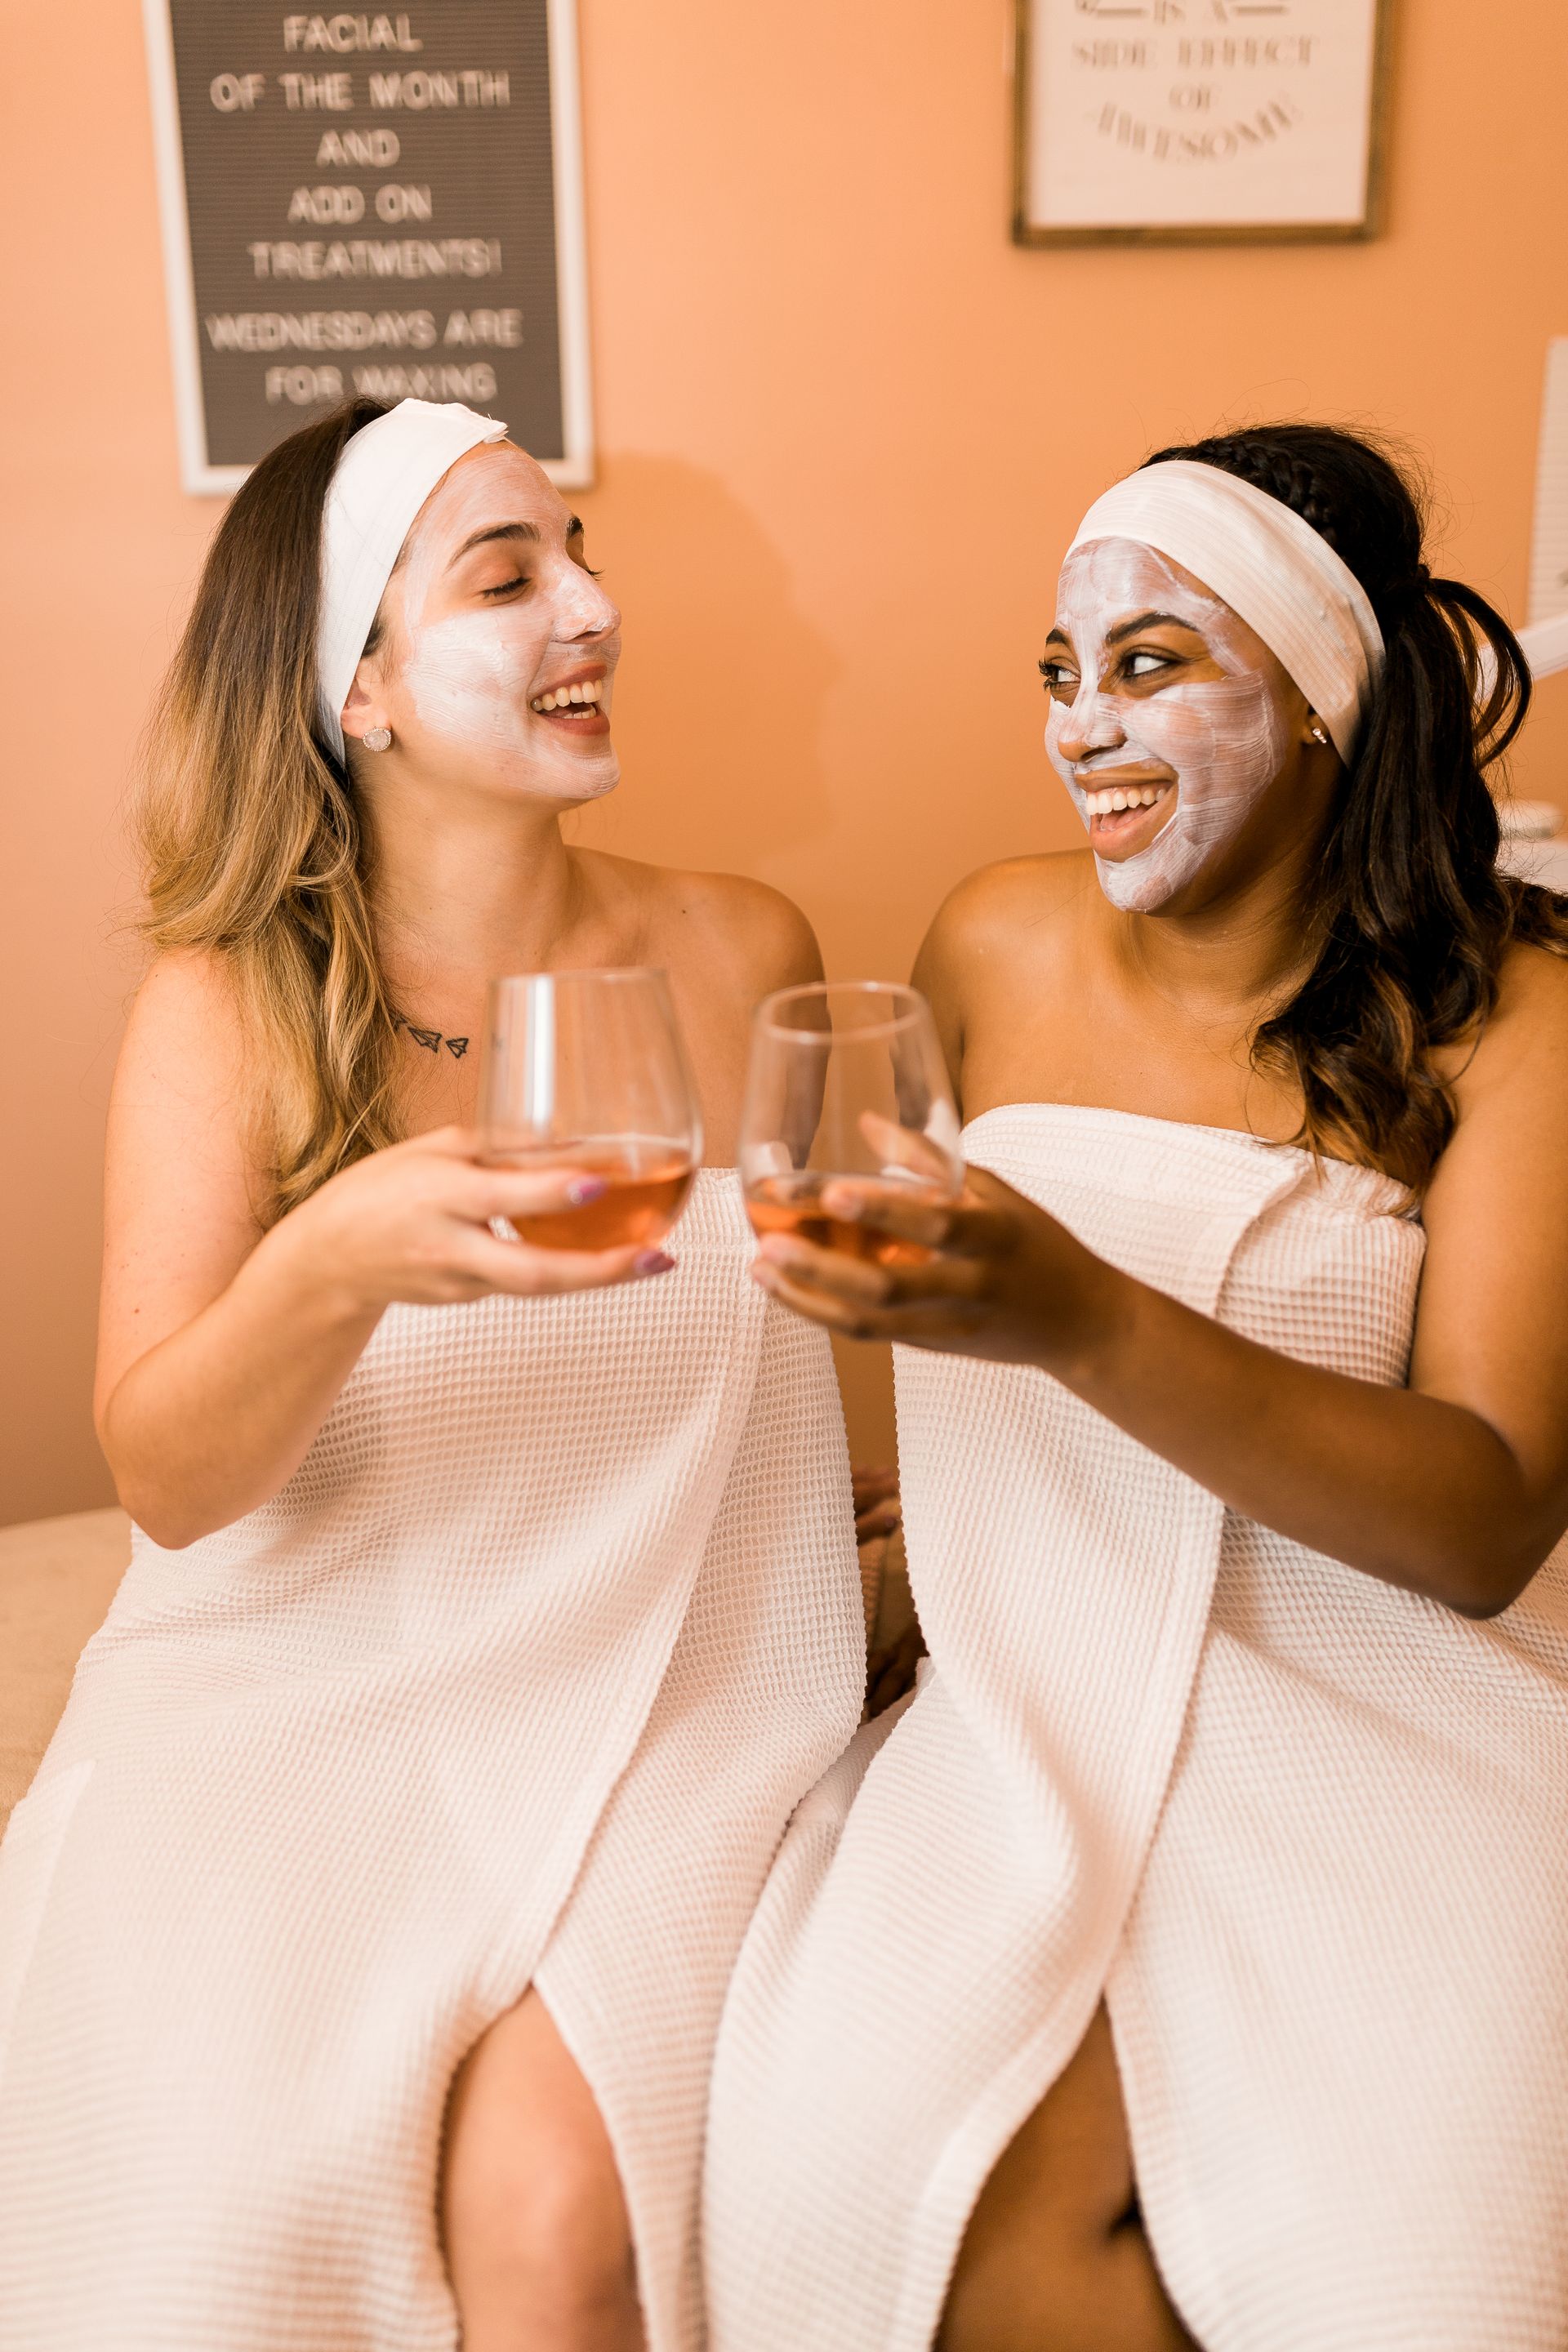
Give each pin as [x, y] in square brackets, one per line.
[585, 1189]
[654, 1262]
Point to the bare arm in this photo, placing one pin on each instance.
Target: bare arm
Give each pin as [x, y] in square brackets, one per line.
[1456, 1487]
[222, 1346]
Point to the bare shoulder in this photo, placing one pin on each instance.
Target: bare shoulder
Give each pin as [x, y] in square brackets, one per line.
[1512, 1094]
[1016, 907]
[184, 1079]
[184, 1028]
[1533, 986]
[184, 1157]
[760, 938]
[1524, 1050]
[738, 930]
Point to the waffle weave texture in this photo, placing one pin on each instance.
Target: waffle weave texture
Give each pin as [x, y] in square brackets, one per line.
[1306, 1835]
[517, 1680]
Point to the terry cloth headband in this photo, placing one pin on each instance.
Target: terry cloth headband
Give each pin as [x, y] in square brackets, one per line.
[384, 476]
[1275, 571]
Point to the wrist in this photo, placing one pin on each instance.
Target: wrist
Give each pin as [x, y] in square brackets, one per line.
[1087, 1321]
[303, 1272]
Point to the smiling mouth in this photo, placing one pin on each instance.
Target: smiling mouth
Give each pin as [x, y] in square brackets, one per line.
[1119, 814]
[579, 700]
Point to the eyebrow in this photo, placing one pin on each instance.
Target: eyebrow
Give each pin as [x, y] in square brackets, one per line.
[498, 530]
[529, 531]
[1130, 628]
[1148, 620]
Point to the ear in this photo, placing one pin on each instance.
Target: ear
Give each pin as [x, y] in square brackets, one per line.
[362, 705]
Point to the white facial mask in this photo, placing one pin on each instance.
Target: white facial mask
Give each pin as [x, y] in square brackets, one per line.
[470, 676]
[465, 680]
[1225, 739]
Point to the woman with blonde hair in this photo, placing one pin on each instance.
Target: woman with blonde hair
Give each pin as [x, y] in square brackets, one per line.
[1183, 1962]
[363, 1935]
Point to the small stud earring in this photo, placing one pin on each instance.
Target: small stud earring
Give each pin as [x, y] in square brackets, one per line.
[377, 738]
[1319, 734]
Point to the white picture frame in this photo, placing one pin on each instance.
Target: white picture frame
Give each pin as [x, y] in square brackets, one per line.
[1198, 121]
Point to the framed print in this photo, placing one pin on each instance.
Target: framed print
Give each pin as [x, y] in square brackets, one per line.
[1198, 121]
[389, 205]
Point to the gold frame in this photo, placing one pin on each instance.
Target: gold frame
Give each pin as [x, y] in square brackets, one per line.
[1026, 233]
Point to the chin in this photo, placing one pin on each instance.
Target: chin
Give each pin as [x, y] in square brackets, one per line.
[573, 783]
[569, 783]
[599, 788]
[1133, 892]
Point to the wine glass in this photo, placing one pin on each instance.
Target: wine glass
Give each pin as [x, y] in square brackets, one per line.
[586, 1069]
[846, 1079]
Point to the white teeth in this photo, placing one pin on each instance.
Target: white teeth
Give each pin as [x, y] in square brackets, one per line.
[1116, 797]
[563, 697]
[575, 693]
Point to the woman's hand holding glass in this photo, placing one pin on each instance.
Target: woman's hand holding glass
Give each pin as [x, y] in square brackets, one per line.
[846, 1079]
[417, 1223]
[855, 1183]
[988, 1274]
[589, 1134]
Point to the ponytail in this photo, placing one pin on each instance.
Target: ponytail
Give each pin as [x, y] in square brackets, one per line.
[1411, 917]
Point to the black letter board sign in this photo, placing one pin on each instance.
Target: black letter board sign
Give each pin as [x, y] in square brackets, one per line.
[356, 202]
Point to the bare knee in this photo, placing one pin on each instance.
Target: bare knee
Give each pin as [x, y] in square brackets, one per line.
[562, 2240]
[534, 2220]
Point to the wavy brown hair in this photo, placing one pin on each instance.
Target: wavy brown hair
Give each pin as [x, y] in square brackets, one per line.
[1411, 917]
[254, 850]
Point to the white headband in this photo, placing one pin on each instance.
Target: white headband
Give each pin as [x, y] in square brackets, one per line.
[1278, 574]
[384, 476]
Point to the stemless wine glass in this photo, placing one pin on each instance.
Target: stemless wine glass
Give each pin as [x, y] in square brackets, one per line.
[586, 1069]
[847, 1078]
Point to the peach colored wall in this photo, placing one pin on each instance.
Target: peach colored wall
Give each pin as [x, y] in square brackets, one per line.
[843, 426]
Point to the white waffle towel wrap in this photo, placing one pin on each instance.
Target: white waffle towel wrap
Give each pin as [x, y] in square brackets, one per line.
[1305, 1833]
[517, 1680]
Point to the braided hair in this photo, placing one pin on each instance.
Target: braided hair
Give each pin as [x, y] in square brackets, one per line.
[1411, 917]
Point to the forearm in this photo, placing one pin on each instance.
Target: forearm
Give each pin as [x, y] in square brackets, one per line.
[1419, 1492]
[215, 1418]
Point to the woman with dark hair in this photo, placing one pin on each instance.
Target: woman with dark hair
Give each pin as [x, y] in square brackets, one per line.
[363, 1937]
[1183, 1962]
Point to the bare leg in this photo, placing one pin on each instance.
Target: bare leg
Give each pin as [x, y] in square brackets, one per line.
[1055, 2259]
[534, 2221]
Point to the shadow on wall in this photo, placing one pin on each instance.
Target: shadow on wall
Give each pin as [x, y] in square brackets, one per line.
[719, 705]
[722, 685]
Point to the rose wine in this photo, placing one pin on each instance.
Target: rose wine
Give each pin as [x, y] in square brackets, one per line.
[791, 1205]
[648, 1181]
